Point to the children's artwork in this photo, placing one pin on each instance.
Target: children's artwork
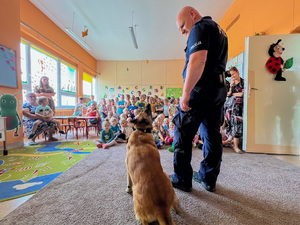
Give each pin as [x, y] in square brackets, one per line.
[152, 90]
[110, 91]
[8, 109]
[174, 92]
[8, 75]
[275, 63]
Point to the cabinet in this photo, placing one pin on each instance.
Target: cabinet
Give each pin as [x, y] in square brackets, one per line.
[3, 134]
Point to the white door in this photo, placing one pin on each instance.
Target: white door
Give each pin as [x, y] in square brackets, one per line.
[272, 112]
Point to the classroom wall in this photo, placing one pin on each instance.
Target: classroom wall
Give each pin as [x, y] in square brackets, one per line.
[72, 52]
[10, 38]
[256, 16]
[138, 75]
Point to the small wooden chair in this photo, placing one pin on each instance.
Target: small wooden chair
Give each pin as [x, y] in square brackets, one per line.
[95, 126]
[73, 125]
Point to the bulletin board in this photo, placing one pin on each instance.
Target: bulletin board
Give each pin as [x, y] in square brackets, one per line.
[174, 92]
[8, 69]
[238, 62]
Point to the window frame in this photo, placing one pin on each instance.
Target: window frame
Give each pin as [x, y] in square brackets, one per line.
[28, 86]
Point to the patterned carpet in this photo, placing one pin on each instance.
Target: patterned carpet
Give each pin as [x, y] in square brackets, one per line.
[26, 170]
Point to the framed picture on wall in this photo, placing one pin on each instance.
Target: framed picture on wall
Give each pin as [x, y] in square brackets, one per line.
[8, 69]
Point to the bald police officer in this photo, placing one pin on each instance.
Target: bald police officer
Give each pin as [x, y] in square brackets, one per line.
[202, 101]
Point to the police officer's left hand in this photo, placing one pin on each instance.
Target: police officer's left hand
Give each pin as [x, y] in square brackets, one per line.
[184, 102]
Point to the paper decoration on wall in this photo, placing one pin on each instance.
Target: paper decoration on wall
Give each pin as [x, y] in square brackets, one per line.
[119, 95]
[150, 90]
[161, 87]
[8, 74]
[136, 87]
[275, 63]
[174, 92]
[119, 87]
[85, 32]
[8, 109]
[105, 95]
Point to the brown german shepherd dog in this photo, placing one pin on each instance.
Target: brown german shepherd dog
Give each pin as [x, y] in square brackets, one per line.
[153, 193]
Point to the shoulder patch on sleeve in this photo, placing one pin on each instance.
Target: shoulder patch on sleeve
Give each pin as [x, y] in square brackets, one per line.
[195, 45]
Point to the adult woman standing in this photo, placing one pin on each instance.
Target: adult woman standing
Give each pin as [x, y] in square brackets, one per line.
[233, 108]
[29, 118]
[43, 89]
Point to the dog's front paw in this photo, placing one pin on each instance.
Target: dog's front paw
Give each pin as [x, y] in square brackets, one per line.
[129, 189]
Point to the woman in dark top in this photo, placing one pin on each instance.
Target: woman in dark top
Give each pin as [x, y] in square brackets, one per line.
[233, 108]
[43, 89]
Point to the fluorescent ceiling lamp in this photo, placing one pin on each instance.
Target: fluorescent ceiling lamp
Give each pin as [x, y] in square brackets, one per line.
[77, 39]
[133, 37]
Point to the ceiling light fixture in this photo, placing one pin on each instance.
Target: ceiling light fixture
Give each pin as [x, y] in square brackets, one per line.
[77, 39]
[131, 31]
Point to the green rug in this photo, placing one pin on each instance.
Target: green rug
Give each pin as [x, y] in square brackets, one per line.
[25, 171]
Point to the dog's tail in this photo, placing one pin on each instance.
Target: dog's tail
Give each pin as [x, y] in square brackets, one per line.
[165, 217]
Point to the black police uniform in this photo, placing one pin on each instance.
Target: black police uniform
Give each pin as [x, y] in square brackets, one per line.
[206, 107]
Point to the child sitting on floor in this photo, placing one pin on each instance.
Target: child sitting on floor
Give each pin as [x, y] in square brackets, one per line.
[158, 138]
[227, 140]
[126, 131]
[107, 136]
[115, 126]
[171, 134]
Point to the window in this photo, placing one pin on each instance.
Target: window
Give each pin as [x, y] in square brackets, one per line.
[87, 85]
[36, 63]
[68, 84]
[24, 71]
[43, 64]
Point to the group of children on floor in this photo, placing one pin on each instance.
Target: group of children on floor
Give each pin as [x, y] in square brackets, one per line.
[116, 116]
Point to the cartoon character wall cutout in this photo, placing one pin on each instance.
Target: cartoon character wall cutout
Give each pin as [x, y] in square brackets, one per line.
[275, 63]
[8, 109]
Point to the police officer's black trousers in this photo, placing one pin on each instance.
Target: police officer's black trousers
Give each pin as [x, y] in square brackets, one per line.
[206, 110]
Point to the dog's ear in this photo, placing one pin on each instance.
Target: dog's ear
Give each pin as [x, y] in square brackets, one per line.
[148, 110]
[134, 121]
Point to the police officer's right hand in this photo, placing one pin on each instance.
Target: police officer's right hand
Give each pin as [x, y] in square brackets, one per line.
[184, 102]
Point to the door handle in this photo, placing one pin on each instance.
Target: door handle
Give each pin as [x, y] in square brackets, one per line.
[249, 90]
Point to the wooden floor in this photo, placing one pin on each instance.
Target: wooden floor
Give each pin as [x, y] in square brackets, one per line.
[8, 206]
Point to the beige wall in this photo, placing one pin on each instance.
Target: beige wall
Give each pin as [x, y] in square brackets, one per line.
[166, 73]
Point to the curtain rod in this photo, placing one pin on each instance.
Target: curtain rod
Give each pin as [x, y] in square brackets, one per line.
[31, 28]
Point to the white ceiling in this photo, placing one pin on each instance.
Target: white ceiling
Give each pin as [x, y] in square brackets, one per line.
[108, 20]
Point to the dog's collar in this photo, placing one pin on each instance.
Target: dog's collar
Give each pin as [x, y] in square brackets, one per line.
[144, 130]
